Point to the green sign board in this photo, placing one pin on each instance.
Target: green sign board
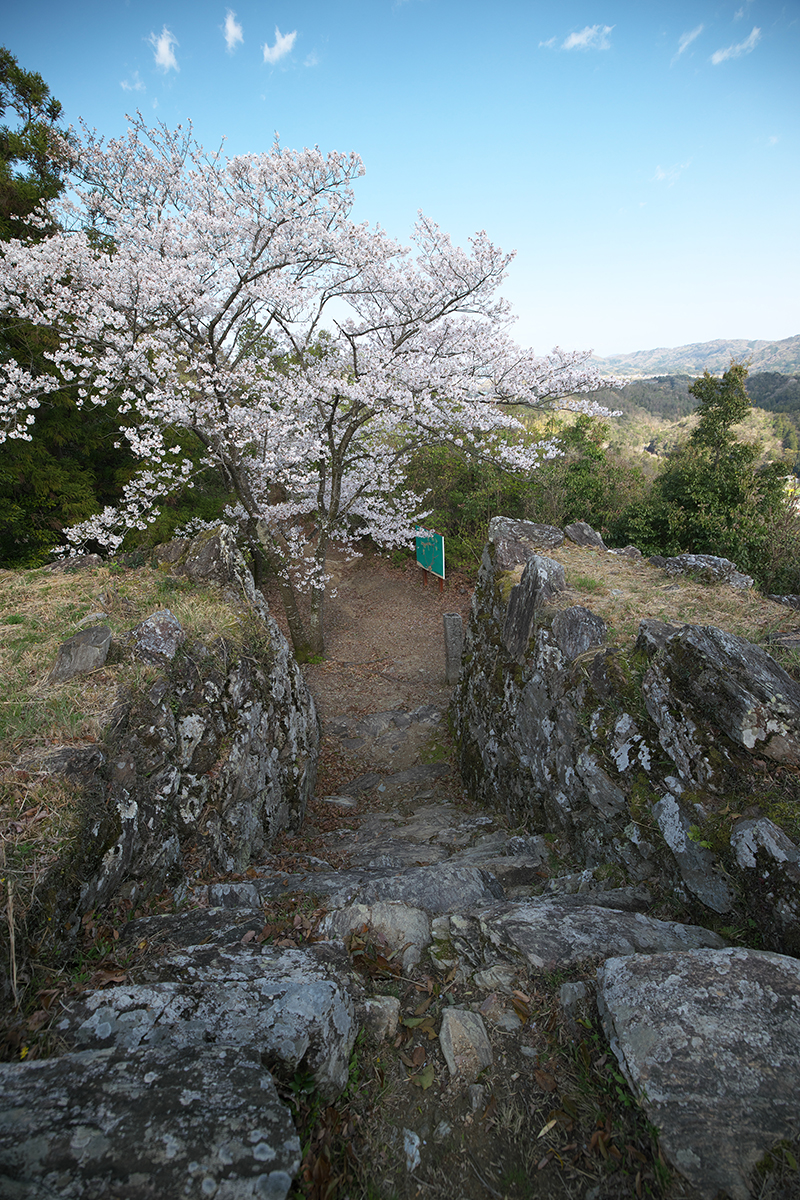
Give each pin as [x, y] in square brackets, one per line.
[430, 553]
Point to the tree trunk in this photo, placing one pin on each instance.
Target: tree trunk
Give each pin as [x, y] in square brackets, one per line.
[304, 646]
[316, 626]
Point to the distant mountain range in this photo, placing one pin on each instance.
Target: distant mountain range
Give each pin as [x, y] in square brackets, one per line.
[783, 357]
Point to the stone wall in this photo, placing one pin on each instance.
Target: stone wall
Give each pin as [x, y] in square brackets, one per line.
[632, 760]
[199, 770]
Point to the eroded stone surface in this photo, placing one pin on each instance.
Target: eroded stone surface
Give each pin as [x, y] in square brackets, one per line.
[541, 579]
[625, 763]
[158, 637]
[84, 652]
[714, 676]
[710, 1042]
[516, 541]
[464, 1044]
[283, 1002]
[559, 933]
[406, 930]
[583, 535]
[102, 1122]
[708, 567]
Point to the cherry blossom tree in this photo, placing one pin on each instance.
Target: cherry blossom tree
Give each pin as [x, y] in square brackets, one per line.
[310, 355]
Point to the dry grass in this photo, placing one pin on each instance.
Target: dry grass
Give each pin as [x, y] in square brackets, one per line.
[625, 591]
[39, 610]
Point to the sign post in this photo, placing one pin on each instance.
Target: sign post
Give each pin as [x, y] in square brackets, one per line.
[430, 556]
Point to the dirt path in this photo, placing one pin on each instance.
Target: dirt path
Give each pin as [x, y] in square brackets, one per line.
[384, 638]
[384, 653]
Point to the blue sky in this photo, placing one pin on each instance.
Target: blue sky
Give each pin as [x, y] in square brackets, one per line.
[642, 158]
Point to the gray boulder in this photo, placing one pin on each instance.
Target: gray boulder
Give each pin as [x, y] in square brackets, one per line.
[516, 541]
[709, 568]
[541, 580]
[464, 1044]
[293, 1008]
[770, 865]
[583, 535]
[158, 638]
[84, 652]
[559, 933]
[103, 1123]
[710, 1042]
[706, 676]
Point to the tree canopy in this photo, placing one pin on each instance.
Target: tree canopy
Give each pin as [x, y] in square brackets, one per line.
[309, 354]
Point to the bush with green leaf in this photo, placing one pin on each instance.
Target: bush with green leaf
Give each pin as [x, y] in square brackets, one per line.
[714, 498]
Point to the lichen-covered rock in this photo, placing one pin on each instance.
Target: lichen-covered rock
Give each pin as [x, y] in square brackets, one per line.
[541, 579]
[553, 933]
[104, 1123]
[709, 1041]
[158, 638]
[283, 1002]
[704, 676]
[583, 535]
[516, 541]
[770, 866]
[695, 862]
[84, 652]
[709, 568]
[217, 756]
[623, 755]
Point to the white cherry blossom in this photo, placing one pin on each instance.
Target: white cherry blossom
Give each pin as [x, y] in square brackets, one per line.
[310, 354]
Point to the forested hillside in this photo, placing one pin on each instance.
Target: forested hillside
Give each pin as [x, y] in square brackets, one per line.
[783, 356]
[668, 397]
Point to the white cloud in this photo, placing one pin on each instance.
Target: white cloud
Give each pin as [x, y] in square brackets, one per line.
[550, 42]
[739, 49]
[283, 45]
[312, 60]
[132, 85]
[773, 141]
[670, 175]
[593, 37]
[687, 39]
[233, 31]
[164, 54]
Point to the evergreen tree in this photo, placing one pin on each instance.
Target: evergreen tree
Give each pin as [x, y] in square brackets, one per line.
[714, 498]
[71, 467]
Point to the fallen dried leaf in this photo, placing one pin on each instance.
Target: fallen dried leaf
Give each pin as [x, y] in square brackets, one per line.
[425, 1078]
[545, 1081]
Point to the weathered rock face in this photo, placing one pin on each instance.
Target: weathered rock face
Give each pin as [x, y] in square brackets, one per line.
[217, 755]
[705, 566]
[98, 1123]
[516, 541]
[622, 755]
[709, 1040]
[166, 1087]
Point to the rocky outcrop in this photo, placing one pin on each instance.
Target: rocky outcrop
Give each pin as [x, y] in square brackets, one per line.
[628, 756]
[710, 1041]
[707, 567]
[620, 763]
[215, 756]
[167, 1081]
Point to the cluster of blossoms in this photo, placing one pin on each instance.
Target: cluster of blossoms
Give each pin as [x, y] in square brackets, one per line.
[310, 355]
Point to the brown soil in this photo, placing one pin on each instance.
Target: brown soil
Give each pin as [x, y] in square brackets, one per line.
[384, 637]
